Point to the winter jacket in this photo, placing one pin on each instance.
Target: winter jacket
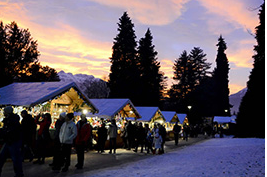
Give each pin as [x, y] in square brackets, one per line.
[102, 133]
[44, 128]
[157, 141]
[58, 125]
[176, 129]
[68, 132]
[84, 133]
[28, 128]
[112, 131]
[140, 133]
[11, 130]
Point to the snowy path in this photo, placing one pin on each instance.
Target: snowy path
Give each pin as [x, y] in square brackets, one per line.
[215, 157]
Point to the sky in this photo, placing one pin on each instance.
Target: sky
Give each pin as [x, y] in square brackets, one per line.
[77, 36]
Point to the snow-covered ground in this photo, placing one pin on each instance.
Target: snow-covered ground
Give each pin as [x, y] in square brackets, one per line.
[215, 157]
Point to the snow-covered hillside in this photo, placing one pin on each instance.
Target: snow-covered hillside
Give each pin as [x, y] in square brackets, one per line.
[220, 157]
[79, 79]
[93, 87]
[235, 100]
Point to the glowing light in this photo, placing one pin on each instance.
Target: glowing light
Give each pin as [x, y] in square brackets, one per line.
[85, 111]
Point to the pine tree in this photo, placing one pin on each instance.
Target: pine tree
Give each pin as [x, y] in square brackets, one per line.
[124, 79]
[151, 77]
[189, 71]
[19, 55]
[183, 74]
[251, 115]
[220, 76]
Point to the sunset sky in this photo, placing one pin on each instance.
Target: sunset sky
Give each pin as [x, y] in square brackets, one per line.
[77, 35]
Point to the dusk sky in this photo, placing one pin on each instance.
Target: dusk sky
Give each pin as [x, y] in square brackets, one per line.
[77, 36]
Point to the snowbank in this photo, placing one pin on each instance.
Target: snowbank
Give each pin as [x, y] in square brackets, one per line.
[215, 157]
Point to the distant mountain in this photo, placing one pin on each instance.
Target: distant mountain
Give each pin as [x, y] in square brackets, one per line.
[235, 100]
[79, 79]
[91, 86]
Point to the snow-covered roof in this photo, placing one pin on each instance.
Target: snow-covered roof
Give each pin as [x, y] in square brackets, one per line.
[169, 115]
[108, 108]
[181, 117]
[148, 113]
[31, 93]
[224, 119]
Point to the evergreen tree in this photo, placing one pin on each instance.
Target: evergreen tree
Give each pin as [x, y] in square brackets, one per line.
[220, 76]
[124, 79]
[19, 55]
[251, 115]
[151, 77]
[189, 71]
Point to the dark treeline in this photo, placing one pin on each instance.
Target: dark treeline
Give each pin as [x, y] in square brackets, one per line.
[135, 74]
[19, 57]
[135, 70]
[206, 92]
[251, 115]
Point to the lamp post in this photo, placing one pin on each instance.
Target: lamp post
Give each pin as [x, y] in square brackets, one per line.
[226, 111]
[189, 108]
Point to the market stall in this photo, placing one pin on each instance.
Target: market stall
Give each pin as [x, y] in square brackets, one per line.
[182, 119]
[225, 123]
[117, 109]
[171, 117]
[42, 97]
[151, 115]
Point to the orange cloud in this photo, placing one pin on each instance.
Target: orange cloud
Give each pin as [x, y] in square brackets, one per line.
[241, 57]
[234, 12]
[67, 42]
[167, 67]
[151, 12]
[234, 88]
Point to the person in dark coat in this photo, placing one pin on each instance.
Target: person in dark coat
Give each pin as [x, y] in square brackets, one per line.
[112, 133]
[130, 134]
[140, 137]
[102, 137]
[43, 137]
[186, 132]
[11, 132]
[28, 132]
[162, 133]
[176, 131]
[57, 145]
[149, 140]
[123, 135]
[83, 134]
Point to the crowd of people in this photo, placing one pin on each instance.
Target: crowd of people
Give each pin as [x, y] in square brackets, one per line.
[22, 140]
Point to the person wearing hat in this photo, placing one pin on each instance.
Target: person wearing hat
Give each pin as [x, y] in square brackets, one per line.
[12, 141]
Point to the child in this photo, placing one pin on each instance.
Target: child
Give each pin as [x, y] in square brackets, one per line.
[157, 142]
[149, 141]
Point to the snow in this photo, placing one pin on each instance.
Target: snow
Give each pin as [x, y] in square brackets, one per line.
[108, 108]
[168, 115]
[82, 80]
[31, 93]
[225, 119]
[147, 113]
[181, 117]
[214, 157]
[235, 100]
